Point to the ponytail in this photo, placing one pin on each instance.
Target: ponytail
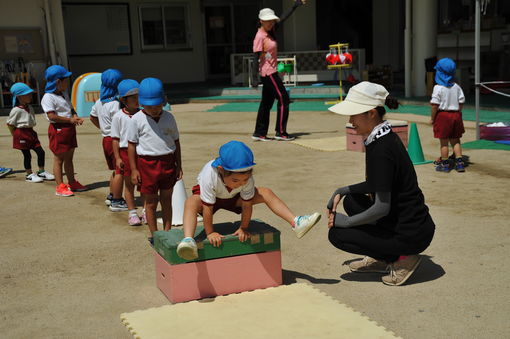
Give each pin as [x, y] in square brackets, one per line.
[391, 102]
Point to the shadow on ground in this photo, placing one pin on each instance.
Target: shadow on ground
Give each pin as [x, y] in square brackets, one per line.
[427, 271]
[96, 185]
[290, 277]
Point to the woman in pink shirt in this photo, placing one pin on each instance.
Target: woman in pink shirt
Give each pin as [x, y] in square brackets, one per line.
[265, 59]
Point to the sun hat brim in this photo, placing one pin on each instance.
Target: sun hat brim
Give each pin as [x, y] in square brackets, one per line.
[268, 17]
[350, 108]
[150, 101]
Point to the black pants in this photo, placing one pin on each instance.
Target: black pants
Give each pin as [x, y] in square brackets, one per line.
[27, 157]
[375, 241]
[272, 88]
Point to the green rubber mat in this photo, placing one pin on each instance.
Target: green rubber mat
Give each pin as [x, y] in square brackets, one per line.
[485, 144]
[264, 238]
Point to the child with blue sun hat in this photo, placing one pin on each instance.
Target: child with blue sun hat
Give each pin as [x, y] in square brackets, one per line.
[227, 183]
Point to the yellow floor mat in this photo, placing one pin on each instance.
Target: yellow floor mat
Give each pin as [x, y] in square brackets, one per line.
[332, 144]
[291, 311]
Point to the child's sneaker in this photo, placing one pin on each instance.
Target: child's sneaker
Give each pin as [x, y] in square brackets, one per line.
[187, 249]
[118, 205]
[134, 220]
[4, 171]
[260, 138]
[304, 223]
[32, 177]
[108, 200]
[459, 165]
[144, 217]
[443, 166]
[284, 137]
[45, 175]
[75, 186]
[63, 191]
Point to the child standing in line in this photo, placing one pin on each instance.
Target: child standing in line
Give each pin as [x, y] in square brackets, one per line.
[21, 122]
[128, 96]
[101, 116]
[62, 129]
[154, 137]
[227, 183]
[447, 101]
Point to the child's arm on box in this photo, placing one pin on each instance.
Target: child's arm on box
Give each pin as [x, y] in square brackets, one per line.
[213, 237]
[242, 231]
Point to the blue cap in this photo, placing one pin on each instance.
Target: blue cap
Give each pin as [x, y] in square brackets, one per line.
[52, 74]
[19, 88]
[445, 70]
[234, 156]
[128, 87]
[109, 81]
[151, 92]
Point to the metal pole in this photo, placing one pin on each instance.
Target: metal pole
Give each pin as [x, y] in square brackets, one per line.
[477, 68]
[49, 27]
[408, 50]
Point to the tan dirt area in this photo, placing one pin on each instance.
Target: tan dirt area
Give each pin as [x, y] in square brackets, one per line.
[69, 267]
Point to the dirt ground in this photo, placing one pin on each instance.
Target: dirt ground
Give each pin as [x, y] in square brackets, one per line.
[69, 267]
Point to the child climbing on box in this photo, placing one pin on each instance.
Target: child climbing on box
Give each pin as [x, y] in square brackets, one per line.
[227, 183]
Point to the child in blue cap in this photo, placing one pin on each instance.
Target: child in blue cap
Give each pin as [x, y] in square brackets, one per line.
[128, 97]
[62, 129]
[101, 116]
[21, 121]
[446, 117]
[227, 183]
[154, 152]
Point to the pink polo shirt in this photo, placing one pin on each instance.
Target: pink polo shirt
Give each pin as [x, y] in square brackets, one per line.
[268, 47]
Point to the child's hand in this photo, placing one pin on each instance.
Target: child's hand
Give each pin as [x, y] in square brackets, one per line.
[119, 163]
[242, 234]
[215, 238]
[76, 121]
[135, 177]
[431, 122]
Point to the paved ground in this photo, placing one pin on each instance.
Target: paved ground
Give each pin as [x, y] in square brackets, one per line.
[69, 267]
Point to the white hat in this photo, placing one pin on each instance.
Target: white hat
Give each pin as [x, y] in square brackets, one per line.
[361, 98]
[267, 14]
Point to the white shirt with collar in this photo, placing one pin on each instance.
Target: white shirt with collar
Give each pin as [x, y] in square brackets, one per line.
[119, 128]
[212, 186]
[60, 104]
[153, 138]
[448, 98]
[105, 112]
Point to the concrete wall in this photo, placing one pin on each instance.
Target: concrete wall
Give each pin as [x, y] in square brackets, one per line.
[388, 35]
[169, 66]
[300, 30]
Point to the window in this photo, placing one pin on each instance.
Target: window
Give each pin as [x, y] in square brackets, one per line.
[165, 26]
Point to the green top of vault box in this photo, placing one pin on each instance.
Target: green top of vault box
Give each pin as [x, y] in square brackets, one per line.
[263, 238]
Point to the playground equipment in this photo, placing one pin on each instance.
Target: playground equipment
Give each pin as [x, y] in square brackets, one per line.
[338, 59]
[85, 93]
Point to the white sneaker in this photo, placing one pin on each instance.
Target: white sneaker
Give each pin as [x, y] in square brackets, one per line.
[32, 177]
[46, 176]
[187, 249]
[304, 223]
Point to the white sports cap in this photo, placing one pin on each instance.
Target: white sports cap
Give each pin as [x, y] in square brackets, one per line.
[361, 98]
[267, 14]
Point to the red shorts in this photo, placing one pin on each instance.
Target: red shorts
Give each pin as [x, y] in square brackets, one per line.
[25, 138]
[62, 137]
[448, 125]
[225, 204]
[108, 152]
[157, 173]
[126, 171]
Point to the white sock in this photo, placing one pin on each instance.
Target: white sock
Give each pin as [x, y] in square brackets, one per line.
[132, 212]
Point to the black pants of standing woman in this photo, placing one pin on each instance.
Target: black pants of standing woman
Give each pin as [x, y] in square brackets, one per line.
[273, 88]
[376, 241]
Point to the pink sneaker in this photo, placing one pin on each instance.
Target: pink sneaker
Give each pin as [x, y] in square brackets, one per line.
[77, 187]
[134, 220]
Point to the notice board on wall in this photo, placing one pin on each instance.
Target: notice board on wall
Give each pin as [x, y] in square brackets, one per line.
[21, 42]
[97, 28]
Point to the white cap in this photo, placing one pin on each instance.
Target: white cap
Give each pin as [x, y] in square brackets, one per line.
[361, 98]
[267, 14]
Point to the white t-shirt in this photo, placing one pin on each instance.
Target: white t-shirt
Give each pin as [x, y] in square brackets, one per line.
[60, 104]
[153, 138]
[20, 118]
[105, 112]
[120, 125]
[212, 186]
[448, 98]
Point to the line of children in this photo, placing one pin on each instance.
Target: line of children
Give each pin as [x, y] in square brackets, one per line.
[62, 129]
[20, 122]
[101, 116]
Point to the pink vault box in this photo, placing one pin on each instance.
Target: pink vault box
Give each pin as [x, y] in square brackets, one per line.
[354, 141]
[210, 278]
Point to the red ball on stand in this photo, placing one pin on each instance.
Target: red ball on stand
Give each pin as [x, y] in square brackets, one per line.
[332, 58]
[345, 58]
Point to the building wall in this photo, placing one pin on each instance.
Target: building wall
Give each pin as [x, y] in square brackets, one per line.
[300, 30]
[388, 34]
[169, 66]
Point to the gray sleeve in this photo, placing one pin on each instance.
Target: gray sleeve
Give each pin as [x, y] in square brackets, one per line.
[342, 191]
[379, 209]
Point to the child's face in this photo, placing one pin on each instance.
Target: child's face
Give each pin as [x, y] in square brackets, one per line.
[153, 111]
[235, 180]
[25, 99]
[62, 84]
[131, 102]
